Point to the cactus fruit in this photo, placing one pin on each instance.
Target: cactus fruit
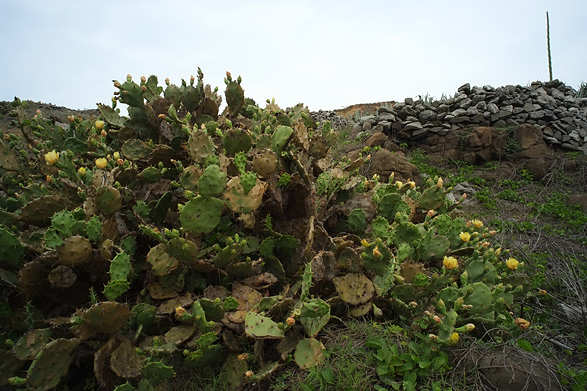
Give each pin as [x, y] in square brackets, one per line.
[265, 163]
[354, 289]
[11, 250]
[212, 182]
[109, 200]
[74, 251]
[125, 361]
[259, 326]
[309, 353]
[200, 146]
[236, 140]
[161, 262]
[51, 364]
[135, 149]
[27, 347]
[240, 202]
[201, 215]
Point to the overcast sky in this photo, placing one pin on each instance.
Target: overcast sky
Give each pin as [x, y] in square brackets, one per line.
[326, 54]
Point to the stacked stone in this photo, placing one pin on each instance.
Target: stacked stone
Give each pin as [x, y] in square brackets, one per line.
[552, 107]
[336, 121]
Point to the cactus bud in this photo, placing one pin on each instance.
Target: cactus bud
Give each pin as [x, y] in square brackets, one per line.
[542, 292]
[143, 88]
[290, 321]
[433, 337]
[128, 77]
[49, 179]
[243, 356]
[437, 319]
[103, 133]
[454, 338]
[117, 84]
[70, 118]
[249, 373]
[120, 162]
[180, 312]
[522, 323]
[439, 183]
[99, 124]
[143, 79]
[81, 171]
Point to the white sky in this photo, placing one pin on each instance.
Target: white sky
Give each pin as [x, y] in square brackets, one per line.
[326, 54]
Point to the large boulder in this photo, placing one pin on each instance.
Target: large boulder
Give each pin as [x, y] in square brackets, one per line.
[385, 162]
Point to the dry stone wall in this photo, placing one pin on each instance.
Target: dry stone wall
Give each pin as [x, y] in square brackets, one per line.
[552, 107]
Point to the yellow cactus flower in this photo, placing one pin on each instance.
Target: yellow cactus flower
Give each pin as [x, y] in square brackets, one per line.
[465, 236]
[52, 157]
[99, 124]
[412, 184]
[101, 163]
[399, 183]
[450, 263]
[512, 263]
[81, 171]
[477, 223]
[498, 252]
[365, 243]
[454, 338]
[376, 252]
[116, 155]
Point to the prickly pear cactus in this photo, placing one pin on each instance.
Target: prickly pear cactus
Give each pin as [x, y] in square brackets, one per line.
[11, 250]
[135, 149]
[235, 95]
[108, 200]
[51, 364]
[200, 146]
[238, 201]
[106, 317]
[161, 262]
[265, 163]
[354, 288]
[27, 347]
[201, 215]
[74, 251]
[259, 326]
[212, 182]
[236, 140]
[309, 353]
[125, 361]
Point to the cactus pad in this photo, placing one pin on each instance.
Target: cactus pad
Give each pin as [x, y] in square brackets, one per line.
[106, 317]
[125, 361]
[265, 163]
[62, 277]
[11, 250]
[259, 326]
[27, 347]
[135, 149]
[201, 215]
[74, 251]
[212, 182]
[240, 202]
[161, 262]
[109, 200]
[236, 140]
[51, 364]
[309, 353]
[200, 146]
[354, 289]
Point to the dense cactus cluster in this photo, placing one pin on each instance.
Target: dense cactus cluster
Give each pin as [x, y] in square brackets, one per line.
[182, 237]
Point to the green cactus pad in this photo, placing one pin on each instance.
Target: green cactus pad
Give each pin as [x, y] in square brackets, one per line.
[240, 202]
[106, 317]
[178, 335]
[281, 137]
[433, 247]
[432, 198]
[309, 353]
[354, 289]
[111, 116]
[115, 288]
[391, 204]
[143, 314]
[406, 233]
[189, 178]
[11, 250]
[357, 221]
[212, 182]
[125, 361]
[265, 163]
[248, 180]
[27, 347]
[315, 314]
[150, 175]
[40, 210]
[157, 372]
[201, 215]
[235, 97]
[200, 146]
[213, 308]
[259, 326]
[182, 249]
[135, 149]
[109, 200]
[74, 251]
[479, 296]
[479, 270]
[161, 262]
[236, 140]
[94, 228]
[51, 364]
[63, 222]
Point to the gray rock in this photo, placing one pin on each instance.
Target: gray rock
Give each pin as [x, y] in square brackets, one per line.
[416, 125]
[427, 116]
[492, 108]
